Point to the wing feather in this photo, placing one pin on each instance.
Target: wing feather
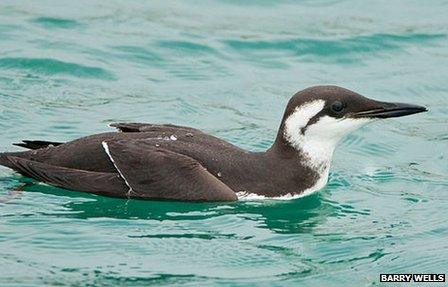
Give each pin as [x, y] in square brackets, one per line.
[158, 173]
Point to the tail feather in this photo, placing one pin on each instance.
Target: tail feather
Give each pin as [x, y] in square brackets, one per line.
[102, 183]
[4, 160]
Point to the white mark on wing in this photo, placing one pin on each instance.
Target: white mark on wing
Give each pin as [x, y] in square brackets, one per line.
[106, 149]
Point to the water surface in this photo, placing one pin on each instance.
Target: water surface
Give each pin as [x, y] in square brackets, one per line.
[68, 69]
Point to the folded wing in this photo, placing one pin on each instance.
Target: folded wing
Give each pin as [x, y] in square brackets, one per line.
[153, 172]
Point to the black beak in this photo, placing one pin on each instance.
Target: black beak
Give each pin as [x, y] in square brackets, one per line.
[383, 110]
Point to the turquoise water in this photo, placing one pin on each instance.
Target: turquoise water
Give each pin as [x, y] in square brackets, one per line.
[68, 69]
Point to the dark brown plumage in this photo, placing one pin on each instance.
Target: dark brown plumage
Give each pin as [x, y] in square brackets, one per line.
[152, 161]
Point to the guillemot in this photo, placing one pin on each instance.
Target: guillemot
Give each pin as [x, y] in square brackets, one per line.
[169, 162]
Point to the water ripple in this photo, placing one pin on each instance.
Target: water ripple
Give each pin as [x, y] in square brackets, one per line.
[342, 50]
[49, 66]
[52, 22]
[226, 67]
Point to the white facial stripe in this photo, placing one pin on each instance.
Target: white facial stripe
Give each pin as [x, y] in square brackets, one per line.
[299, 119]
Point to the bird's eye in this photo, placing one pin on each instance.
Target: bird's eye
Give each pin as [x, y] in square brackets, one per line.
[337, 106]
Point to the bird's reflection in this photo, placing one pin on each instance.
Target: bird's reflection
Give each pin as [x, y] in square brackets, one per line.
[280, 216]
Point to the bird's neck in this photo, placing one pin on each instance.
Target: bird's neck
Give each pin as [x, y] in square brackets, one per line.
[317, 156]
[310, 154]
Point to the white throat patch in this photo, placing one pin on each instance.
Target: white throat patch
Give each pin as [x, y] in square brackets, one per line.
[319, 140]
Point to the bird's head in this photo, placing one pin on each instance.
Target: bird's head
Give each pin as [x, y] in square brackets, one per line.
[317, 118]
